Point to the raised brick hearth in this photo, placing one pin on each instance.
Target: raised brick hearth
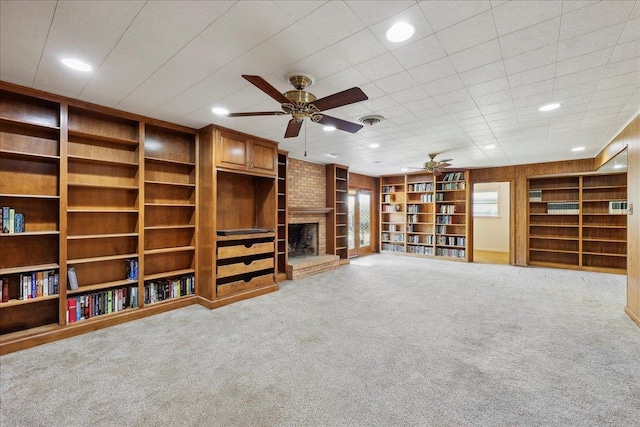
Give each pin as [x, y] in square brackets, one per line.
[306, 266]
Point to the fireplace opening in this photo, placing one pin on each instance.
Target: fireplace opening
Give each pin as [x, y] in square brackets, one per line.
[303, 239]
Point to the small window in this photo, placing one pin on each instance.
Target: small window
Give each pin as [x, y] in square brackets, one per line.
[485, 203]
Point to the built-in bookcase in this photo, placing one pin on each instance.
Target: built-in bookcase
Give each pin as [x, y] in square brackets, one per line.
[578, 222]
[420, 198]
[337, 220]
[282, 232]
[452, 222]
[30, 170]
[103, 167]
[393, 198]
[170, 178]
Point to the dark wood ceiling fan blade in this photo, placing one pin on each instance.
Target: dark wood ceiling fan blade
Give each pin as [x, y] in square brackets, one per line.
[340, 124]
[293, 129]
[436, 172]
[444, 165]
[445, 160]
[257, 113]
[346, 97]
[264, 86]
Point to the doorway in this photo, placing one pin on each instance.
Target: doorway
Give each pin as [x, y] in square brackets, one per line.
[360, 219]
[492, 222]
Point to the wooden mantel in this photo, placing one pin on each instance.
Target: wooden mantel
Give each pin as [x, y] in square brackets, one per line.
[309, 210]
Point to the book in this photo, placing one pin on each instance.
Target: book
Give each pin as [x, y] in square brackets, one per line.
[12, 215]
[4, 291]
[72, 279]
[18, 223]
[5, 219]
[71, 310]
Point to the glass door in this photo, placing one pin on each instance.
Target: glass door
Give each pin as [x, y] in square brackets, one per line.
[360, 216]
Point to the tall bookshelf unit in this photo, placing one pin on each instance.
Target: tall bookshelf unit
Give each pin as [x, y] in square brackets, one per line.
[578, 222]
[282, 231]
[423, 215]
[338, 219]
[98, 189]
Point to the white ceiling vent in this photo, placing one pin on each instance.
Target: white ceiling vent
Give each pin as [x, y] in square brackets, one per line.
[371, 120]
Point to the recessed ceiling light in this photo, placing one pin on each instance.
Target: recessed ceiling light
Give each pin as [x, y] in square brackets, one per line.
[618, 166]
[404, 169]
[400, 32]
[577, 149]
[332, 155]
[490, 146]
[549, 107]
[76, 64]
[329, 128]
[220, 111]
[374, 145]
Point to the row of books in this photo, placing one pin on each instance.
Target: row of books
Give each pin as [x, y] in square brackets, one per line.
[102, 302]
[535, 195]
[416, 228]
[453, 176]
[563, 208]
[160, 290]
[421, 186]
[445, 219]
[33, 285]
[12, 221]
[413, 218]
[392, 188]
[452, 253]
[462, 185]
[391, 208]
[426, 198]
[447, 209]
[392, 247]
[422, 250]
[618, 207]
[413, 208]
[451, 240]
[427, 240]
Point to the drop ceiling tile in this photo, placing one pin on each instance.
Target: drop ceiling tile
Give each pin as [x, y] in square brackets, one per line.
[501, 97]
[631, 30]
[594, 17]
[571, 91]
[625, 51]
[420, 52]
[584, 62]
[533, 59]
[590, 42]
[443, 14]
[528, 77]
[359, 47]
[332, 22]
[498, 107]
[412, 15]
[380, 104]
[507, 114]
[372, 12]
[380, 67]
[483, 74]
[531, 38]
[619, 81]
[431, 113]
[435, 70]
[476, 56]
[457, 113]
[446, 84]
[372, 91]
[613, 92]
[579, 78]
[396, 82]
[571, 5]
[472, 32]
[414, 95]
[516, 15]
[489, 87]
[622, 67]
[319, 65]
[458, 95]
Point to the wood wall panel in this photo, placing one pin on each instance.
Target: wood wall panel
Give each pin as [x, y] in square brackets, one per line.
[632, 140]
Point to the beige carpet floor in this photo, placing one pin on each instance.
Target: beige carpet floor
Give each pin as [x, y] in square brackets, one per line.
[384, 341]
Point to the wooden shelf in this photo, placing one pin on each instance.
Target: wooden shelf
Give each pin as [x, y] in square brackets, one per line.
[30, 196]
[27, 125]
[101, 161]
[170, 227]
[177, 184]
[100, 259]
[101, 236]
[101, 210]
[168, 161]
[28, 268]
[102, 138]
[103, 186]
[101, 286]
[169, 250]
[172, 205]
[15, 302]
[172, 273]
[30, 233]
[29, 156]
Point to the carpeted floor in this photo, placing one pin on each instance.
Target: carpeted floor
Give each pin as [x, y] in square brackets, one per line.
[384, 341]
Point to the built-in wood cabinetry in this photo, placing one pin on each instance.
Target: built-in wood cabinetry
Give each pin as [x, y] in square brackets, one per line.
[282, 234]
[238, 219]
[424, 215]
[579, 221]
[100, 191]
[239, 152]
[338, 217]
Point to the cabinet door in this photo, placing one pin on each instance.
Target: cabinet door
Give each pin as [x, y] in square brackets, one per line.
[263, 157]
[232, 151]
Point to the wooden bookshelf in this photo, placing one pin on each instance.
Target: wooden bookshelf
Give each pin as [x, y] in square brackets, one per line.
[338, 217]
[30, 169]
[393, 198]
[421, 214]
[453, 204]
[572, 225]
[282, 233]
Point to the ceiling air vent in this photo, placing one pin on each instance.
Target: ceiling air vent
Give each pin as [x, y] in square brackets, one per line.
[371, 120]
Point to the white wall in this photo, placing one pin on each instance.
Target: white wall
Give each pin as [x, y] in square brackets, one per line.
[492, 234]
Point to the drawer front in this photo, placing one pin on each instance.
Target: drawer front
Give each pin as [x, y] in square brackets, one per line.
[242, 268]
[226, 252]
[242, 286]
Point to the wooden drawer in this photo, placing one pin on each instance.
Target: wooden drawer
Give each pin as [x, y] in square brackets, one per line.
[242, 268]
[226, 252]
[243, 286]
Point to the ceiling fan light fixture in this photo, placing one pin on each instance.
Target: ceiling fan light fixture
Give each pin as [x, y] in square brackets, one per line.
[549, 107]
[400, 32]
[220, 111]
[76, 64]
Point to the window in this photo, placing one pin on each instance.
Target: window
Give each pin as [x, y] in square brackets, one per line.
[485, 203]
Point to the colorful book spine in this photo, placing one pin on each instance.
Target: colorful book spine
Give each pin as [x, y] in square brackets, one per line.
[5, 219]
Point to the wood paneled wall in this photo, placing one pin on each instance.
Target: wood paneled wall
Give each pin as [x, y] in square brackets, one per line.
[364, 182]
[517, 176]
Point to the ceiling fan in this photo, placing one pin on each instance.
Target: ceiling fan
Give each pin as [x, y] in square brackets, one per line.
[302, 104]
[433, 166]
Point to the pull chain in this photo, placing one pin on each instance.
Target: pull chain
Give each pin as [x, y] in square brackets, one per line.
[305, 138]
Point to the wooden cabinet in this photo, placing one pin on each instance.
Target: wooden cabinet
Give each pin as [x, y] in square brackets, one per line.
[282, 232]
[338, 218]
[578, 222]
[240, 152]
[424, 215]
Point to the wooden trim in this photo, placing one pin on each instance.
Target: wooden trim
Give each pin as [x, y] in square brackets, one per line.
[614, 147]
[632, 315]
[310, 210]
[220, 302]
